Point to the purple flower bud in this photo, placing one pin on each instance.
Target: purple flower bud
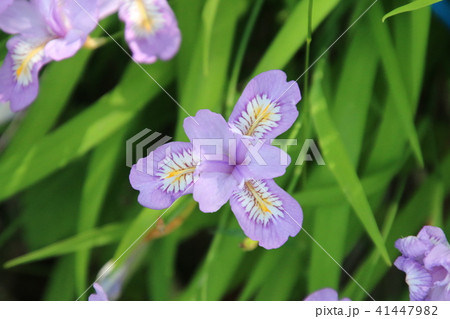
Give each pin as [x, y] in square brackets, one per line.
[100, 294]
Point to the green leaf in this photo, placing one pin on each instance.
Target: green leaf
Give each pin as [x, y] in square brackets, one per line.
[287, 41]
[189, 21]
[415, 5]
[350, 114]
[85, 131]
[202, 90]
[438, 204]
[217, 271]
[55, 88]
[401, 99]
[50, 208]
[143, 223]
[101, 168]
[91, 238]
[232, 86]
[209, 15]
[61, 287]
[162, 268]
[333, 239]
[339, 163]
[280, 283]
[408, 222]
[262, 270]
[389, 145]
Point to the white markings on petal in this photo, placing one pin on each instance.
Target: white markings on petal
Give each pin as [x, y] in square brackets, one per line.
[260, 204]
[261, 116]
[25, 55]
[177, 171]
[145, 15]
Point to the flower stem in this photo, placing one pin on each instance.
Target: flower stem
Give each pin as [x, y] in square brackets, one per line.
[304, 120]
[231, 94]
[213, 250]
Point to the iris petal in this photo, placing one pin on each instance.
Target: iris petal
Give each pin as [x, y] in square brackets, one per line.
[100, 294]
[151, 29]
[432, 235]
[325, 294]
[412, 247]
[165, 175]
[417, 278]
[266, 213]
[267, 107]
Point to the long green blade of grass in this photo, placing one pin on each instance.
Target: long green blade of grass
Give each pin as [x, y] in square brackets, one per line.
[340, 165]
[61, 287]
[101, 169]
[349, 113]
[410, 219]
[263, 269]
[84, 132]
[209, 15]
[56, 86]
[402, 100]
[231, 93]
[212, 279]
[281, 283]
[415, 5]
[287, 42]
[91, 238]
[202, 90]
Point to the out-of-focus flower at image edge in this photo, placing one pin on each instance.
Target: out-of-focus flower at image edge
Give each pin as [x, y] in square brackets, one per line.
[99, 294]
[54, 30]
[426, 261]
[46, 30]
[325, 294]
[151, 28]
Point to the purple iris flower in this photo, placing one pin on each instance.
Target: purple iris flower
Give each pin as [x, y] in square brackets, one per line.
[151, 28]
[325, 294]
[426, 261]
[100, 294]
[45, 30]
[238, 167]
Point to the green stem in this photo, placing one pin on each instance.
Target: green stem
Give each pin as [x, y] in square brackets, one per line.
[304, 120]
[231, 95]
[212, 253]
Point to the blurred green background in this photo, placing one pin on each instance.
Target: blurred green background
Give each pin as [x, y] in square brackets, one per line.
[377, 104]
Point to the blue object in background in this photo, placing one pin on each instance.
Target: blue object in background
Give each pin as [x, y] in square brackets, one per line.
[442, 10]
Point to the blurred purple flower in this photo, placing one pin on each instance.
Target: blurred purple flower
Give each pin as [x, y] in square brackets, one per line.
[325, 294]
[151, 28]
[426, 261]
[100, 294]
[237, 173]
[108, 7]
[5, 4]
[45, 30]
